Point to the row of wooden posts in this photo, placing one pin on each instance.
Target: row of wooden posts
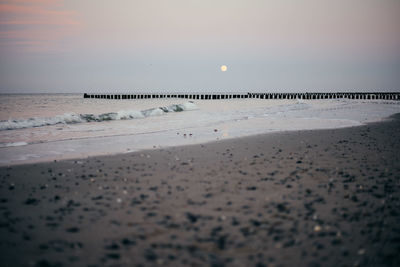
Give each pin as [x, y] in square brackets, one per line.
[211, 96]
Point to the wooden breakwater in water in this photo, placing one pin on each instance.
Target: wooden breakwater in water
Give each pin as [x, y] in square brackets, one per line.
[216, 96]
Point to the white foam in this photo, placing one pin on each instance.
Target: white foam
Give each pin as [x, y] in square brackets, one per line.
[37, 122]
[129, 114]
[13, 144]
[71, 118]
[189, 106]
[153, 112]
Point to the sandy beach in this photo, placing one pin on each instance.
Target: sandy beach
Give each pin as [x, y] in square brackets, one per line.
[305, 198]
[199, 133]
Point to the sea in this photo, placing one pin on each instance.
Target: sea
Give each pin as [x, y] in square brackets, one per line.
[47, 127]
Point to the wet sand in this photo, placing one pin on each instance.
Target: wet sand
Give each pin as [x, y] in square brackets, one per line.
[308, 198]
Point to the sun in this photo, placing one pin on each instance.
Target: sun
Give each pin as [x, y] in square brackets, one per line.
[224, 68]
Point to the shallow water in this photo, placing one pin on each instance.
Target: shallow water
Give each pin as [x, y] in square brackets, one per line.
[46, 127]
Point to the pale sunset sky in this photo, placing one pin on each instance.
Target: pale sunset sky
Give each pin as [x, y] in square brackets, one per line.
[80, 46]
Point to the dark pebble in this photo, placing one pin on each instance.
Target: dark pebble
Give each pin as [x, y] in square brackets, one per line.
[32, 201]
[191, 217]
[73, 230]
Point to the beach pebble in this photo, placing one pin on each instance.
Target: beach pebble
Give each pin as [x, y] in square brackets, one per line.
[32, 201]
[128, 242]
[72, 230]
[150, 255]
[192, 217]
[317, 228]
[114, 256]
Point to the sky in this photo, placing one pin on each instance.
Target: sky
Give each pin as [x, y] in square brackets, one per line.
[76, 46]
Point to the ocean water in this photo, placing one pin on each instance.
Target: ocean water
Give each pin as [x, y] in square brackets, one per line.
[46, 127]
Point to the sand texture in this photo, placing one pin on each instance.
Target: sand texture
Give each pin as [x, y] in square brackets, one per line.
[307, 198]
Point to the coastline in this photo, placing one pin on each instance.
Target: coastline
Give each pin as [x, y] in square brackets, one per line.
[319, 197]
[143, 146]
[211, 121]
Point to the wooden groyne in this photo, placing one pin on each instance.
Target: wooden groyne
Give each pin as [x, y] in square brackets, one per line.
[216, 96]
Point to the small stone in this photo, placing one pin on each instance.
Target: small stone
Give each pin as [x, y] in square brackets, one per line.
[114, 256]
[113, 246]
[251, 188]
[31, 201]
[128, 242]
[191, 217]
[150, 255]
[317, 228]
[361, 251]
[73, 230]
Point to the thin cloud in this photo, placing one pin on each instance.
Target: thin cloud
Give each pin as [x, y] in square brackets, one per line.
[7, 9]
[44, 21]
[31, 1]
[27, 24]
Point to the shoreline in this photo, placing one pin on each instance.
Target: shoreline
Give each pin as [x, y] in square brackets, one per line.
[235, 118]
[315, 197]
[143, 150]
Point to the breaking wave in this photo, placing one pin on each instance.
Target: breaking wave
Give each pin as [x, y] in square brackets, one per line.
[71, 118]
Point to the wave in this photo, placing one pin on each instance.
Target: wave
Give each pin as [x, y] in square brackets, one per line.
[13, 144]
[282, 109]
[72, 118]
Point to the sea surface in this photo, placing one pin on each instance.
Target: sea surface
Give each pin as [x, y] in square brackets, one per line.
[44, 127]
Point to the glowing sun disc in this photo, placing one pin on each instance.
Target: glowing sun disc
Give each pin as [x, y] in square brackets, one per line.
[224, 68]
